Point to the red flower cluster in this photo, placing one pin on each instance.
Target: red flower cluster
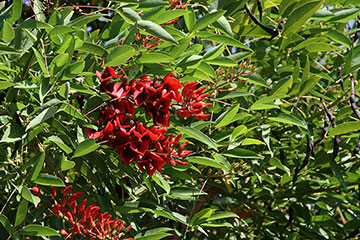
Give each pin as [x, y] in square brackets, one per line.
[86, 222]
[193, 104]
[134, 140]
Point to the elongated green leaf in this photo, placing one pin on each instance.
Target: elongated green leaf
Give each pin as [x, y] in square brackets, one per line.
[336, 169]
[308, 85]
[85, 19]
[7, 225]
[196, 134]
[156, 30]
[222, 61]
[322, 47]
[169, 15]
[300, 16]
[32, 23]
[222, 215]
[119, 55]
[225, 25]
[154, 57]
[214, 52]
[222, 39]
[49, 180]
[154, 234]
[206, 20]
[16, 10]
[238, 131]
[131, 14]
[339, 37]
[344, 15]
[201, 216]
[85, 147]
[345, 128]
[93, 49]
[207, 162]
[37, 167]
[21, 212]
[59, 30]
[38, 231]
[42, 117]
[227, 117]
[288, 119]
[58, 141]
[241, 153]
[161, 182]
[40, 61]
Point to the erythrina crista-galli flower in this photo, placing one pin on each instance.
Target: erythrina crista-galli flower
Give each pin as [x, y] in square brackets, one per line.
[137, 141]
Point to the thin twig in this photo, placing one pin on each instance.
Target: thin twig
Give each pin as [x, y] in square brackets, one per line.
[7, 201]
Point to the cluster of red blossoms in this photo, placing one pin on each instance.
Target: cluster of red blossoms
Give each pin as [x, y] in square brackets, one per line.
[87, 222]
[135, 141]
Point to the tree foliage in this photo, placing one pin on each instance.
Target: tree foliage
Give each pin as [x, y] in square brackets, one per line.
[273, 155]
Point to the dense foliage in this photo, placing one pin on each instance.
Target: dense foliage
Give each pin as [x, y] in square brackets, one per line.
[218, 119]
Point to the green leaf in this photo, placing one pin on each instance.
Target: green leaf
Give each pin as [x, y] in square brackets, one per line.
[66, 164]
[233, 94]
[6, 32]
[222, 61]
[226, 117]
[85, 147]
[339, 37]
[119, 55]
[38, 231]
[26, 194]
[7, 225]
[131, 14]
[16, 11]
[42, 117]
[214, 52]
[156, 30]
[238, 131]
[49, 180]
[154, 57]
[251, 141]
[85, 19]
[206, 20]
[223, 22]
[336, 169]
[38, 166]
[207, 162]
[308, 85]
[60, 143]
[298, 17]
[201, 216]
[196, 134]
[40, 61]
[21, 212]
[345, 128]
[154, 234]
[13, 133]
[322, 47]
[190, 19]
[61, 59]
[169, 15]
[161, 182]
[344, 15]
[32, 23]
[258, 80]
[59, 30]
[74, 69]
[222, 215]
[222, 39]
[241, 153]
[289, 119]
[92, 49]
[185, 193]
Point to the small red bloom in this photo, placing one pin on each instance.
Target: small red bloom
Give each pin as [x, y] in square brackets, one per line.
[36, 191]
